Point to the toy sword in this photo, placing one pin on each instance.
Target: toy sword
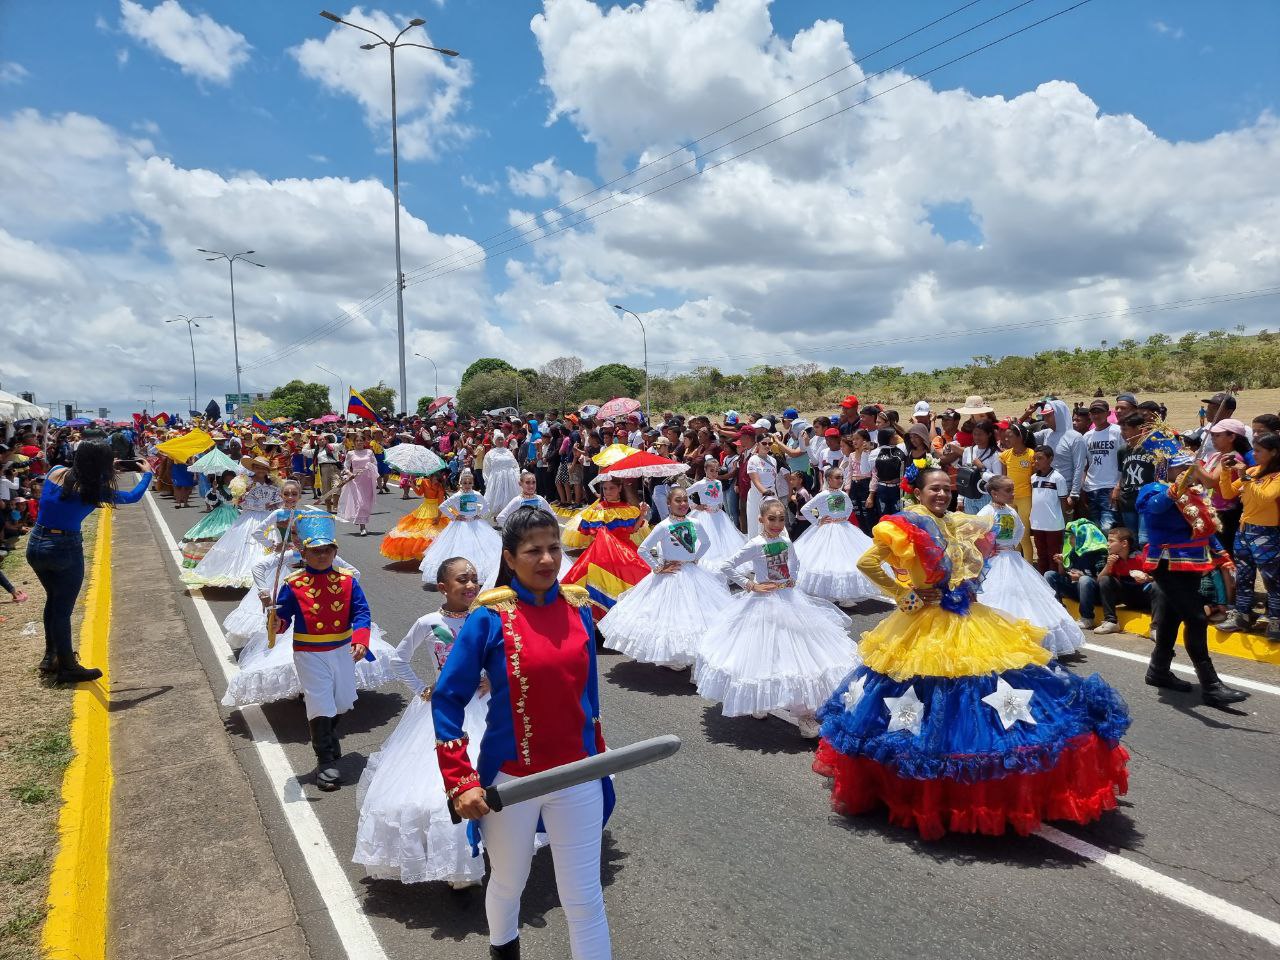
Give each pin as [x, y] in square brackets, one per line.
[579, 771]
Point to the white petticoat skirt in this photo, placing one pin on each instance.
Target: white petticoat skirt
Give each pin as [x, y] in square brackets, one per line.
[828, 555]
[1014, 587]
[404, 832]
[229, 562]
[269, 674]
[724, 537]
[245, 620]
[473, 539]
[782, 650]
[665, 617]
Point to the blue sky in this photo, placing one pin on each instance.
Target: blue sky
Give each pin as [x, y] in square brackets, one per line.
[1187, 70]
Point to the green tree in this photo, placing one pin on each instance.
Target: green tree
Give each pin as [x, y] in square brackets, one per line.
[488, 391]
[485, 365]
[424, 404]
[380, 396]
[619, 380]
[299, 400]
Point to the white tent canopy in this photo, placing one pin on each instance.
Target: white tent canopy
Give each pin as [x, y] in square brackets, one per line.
[15, 408]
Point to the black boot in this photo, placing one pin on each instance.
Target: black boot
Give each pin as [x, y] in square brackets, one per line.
[508, 951]
[1213, 691]
[49, 664]
[327, 776]
[1159, 674]
[70, 671]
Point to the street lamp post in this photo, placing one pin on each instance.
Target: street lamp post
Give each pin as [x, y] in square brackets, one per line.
[436, 395]
[231, 259]
[391, 46]
[337, 377]
[644, 338]
[191, 322]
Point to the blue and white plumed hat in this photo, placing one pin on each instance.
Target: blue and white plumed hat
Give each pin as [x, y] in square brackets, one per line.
[316, 528]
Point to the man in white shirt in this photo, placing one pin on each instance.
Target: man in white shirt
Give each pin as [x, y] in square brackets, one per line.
[1101, 488]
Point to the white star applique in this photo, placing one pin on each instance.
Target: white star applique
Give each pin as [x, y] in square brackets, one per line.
[853, 696]
[905, 712]
[1010, 704]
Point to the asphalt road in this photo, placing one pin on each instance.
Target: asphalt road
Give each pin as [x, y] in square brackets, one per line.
[730, 850]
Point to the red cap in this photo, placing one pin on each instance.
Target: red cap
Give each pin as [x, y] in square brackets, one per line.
[849, 402]
[831, 432]
[1003, 424]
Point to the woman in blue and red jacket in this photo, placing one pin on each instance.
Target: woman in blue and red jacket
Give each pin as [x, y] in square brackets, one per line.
[536, 643]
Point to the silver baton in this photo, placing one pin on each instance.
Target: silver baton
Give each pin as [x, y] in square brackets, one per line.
[579, 771]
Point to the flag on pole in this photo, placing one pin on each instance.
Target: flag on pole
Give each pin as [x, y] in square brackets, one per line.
[360, 407]
[160, 419]
[260, 424]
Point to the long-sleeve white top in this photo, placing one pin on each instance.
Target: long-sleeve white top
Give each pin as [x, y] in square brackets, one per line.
[516, 503]
[833, 504]
[439, 629]
[710, 494]
[674, 539]
[773, 560]
[465, 506]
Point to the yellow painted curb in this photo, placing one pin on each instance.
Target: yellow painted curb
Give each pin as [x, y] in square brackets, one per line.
[76, 925]
[1246, 646]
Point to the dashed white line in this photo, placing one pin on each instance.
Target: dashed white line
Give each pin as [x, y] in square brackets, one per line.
[359, 942]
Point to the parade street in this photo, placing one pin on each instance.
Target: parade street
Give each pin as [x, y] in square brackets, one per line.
[730, 850]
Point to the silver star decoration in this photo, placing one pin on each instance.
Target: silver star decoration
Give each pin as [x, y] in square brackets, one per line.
[853, 696]
[1010, 704]
[905, 712]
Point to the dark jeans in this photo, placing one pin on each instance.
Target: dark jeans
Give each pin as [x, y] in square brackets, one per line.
[58, 562]
[1230, 520]
[863, 515]
[1175, 601]
[1117, 590]
[1085, 590]
[888, 500]
[1101, 512]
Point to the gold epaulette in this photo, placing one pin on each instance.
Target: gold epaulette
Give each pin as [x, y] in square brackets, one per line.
[576, 595]
[289, 578]
[499, 598]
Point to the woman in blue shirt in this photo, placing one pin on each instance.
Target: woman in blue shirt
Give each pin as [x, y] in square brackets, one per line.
[56, 552]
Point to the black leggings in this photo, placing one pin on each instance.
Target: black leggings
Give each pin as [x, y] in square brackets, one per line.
[1176, 601]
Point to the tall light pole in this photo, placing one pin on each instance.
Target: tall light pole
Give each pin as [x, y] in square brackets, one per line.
[152, 388]
[391, 46]
[191, 323]
[231, 259]
[338, 405]
[436, 395]
[644, 338]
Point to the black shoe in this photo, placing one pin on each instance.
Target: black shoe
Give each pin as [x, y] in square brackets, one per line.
[49, 664]
[1218, 694]
[508, 951]
[1166, 680]
[1273, 631]
[72, 672]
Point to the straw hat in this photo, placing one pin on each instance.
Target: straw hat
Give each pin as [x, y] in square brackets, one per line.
[254, 463]
[974, 405]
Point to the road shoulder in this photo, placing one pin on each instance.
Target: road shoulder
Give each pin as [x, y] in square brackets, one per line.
[193, 873]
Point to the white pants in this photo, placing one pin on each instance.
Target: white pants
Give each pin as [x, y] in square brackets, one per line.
[574, 818]
[328, 679]
[754, 499]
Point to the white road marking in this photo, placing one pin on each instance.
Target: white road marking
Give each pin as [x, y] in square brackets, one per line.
[354, 931]
[1175, 890]
[1243, 682]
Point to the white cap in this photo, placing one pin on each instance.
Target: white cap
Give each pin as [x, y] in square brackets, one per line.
[763, 424]
[922, 409]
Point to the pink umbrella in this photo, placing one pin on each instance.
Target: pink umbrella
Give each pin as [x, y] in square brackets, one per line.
[618, 408]
[327, 418]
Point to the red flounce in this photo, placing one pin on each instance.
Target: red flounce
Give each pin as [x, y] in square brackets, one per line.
[1082, 785]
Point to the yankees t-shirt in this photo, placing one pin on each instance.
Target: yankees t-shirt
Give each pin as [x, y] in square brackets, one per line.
[1046, 505]
[1102, 464]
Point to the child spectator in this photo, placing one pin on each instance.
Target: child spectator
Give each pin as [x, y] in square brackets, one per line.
[858, 467]
[1049, 492]
[1258, 540]
[1018, 461]
[1122, 579]
[1084, 554]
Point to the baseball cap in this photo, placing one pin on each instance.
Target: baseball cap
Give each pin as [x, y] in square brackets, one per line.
[849, 402]
[951, 413]
[1099, 404]
[922, 409]
[1230, 425]
[731, 418]
[791, 413]
[831, 432]
[1127, 398]
[763, 424]
[1222, 400]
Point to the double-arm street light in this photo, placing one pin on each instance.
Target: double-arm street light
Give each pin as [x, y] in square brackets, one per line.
[231, 259]
[644, 338]
[436, 395]
[190, 322]
[391, 46]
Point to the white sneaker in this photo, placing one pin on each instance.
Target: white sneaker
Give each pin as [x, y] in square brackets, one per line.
[1085, 623]
[1107, 626]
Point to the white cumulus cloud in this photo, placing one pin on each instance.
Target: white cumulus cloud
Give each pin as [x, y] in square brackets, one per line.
[199, 45]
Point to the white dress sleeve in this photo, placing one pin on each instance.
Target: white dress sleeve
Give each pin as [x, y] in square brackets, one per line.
[748, 551]
[811, 511]
[703, 545]
[401, 659]
[506, 511]
[651, 549]
[449, 509]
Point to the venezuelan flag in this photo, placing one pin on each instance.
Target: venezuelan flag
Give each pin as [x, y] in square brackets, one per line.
[360, 407]
[607, 569]
[260, 424]
[160, 419]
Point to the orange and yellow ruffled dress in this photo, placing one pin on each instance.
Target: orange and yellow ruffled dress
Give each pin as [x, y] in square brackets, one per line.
[409, 539]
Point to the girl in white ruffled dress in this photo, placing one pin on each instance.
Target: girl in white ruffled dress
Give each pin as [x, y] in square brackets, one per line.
[467, 534]
[267, 673]
[405, 832]
[1013, 586]
[778, 650]
[723, 538]
[829, 550]
[664, 618]
[229, 562]
[528, 497]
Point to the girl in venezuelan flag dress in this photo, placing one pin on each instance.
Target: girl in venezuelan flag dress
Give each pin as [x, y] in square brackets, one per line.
[410, 537]
[610, 566]
[954, 721]
[612, 512]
